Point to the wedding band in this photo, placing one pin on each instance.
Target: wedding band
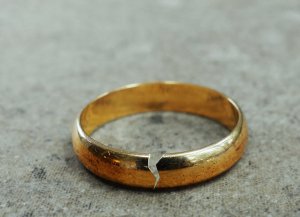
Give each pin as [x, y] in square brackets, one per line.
[170, 169]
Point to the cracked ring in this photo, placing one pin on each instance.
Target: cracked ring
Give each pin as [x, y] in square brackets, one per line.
[160, 170]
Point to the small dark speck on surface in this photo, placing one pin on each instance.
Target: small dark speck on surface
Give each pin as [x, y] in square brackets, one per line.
[20, 110]
[190, 197]
[54, 157]
[289, 191]
[70, 159]
[39, 173]
[267, 210]
[28, 214]
[156, 119]
[48, 140]
[88, 206]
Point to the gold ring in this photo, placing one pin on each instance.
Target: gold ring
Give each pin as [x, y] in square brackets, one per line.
[169, 169]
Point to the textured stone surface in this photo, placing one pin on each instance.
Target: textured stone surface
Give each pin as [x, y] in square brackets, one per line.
[55, 56]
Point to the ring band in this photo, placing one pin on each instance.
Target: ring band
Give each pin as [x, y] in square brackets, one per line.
[173, 169]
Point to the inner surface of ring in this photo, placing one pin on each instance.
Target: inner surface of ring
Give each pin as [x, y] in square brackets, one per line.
[170, 132]
[159, 97]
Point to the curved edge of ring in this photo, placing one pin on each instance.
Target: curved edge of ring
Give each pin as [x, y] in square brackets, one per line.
[196, 169]
[135, 172]
[113, 166]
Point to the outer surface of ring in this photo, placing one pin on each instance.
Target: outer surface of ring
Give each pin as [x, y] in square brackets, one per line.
[175, 169]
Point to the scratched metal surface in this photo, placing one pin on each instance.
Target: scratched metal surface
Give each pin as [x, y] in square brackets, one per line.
[56, 56]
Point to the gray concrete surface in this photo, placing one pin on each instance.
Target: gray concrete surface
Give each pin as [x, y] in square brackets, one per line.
[55, 56]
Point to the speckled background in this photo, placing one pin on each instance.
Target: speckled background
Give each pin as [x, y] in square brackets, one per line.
[56, 56]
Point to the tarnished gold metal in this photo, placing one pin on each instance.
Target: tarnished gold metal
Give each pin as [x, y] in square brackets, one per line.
[175, 169]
